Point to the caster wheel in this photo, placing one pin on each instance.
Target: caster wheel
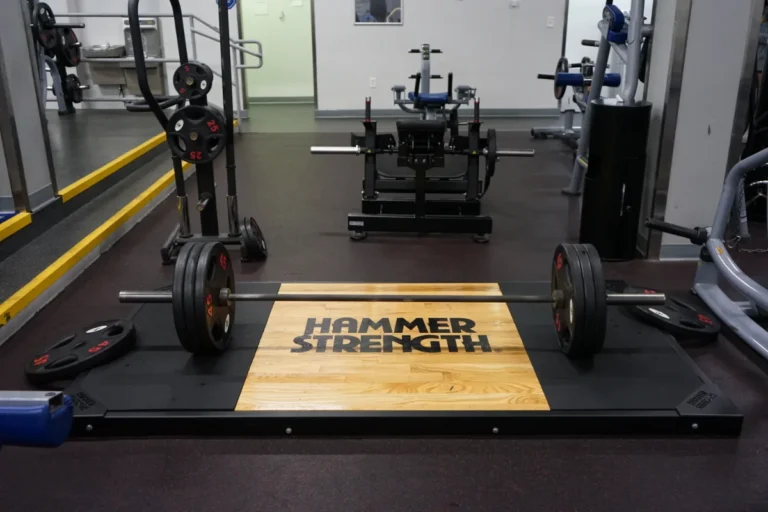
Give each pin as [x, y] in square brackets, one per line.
[482, 239]
[358, 235]
[253, 245]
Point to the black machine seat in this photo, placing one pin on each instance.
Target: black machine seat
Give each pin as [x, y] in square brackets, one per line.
[408, 126]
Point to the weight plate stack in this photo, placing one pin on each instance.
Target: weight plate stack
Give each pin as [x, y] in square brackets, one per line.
[196, 133]
[193, 80]
[493, 151]
[569, 309]
[214, 319]
[43, 26]
[253, 245]
[72, 90]
[562, 67]
[68, 52]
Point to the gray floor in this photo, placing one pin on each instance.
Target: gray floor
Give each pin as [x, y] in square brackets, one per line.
[22, 266]
[286, 118]
[85, 141]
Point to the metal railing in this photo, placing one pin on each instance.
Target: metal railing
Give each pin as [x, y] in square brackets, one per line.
[236, 45]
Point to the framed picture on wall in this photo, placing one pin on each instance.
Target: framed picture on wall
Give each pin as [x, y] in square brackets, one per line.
[379, 12]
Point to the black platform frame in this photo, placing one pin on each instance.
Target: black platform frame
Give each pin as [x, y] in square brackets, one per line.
[703, 410]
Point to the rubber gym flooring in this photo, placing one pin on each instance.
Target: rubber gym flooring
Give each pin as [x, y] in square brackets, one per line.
[301, 202]
[83, 142]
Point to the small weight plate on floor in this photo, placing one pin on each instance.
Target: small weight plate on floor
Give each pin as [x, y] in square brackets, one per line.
[196, 133]
[68, 52]
[568, 311]
[179, 285]
[72, 89]
[193, 80]
[88, 348]
[43, 21]
[214, 318]
[253, 245]
[562, 67]
[596, 309]
[493, 151]
[678, 317]
[191, 343]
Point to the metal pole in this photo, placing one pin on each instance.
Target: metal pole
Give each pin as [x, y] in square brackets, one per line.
[226, 78]
[239, 101]
[194, 42]
[227, 295]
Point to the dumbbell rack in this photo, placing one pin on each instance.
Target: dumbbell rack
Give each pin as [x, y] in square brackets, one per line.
[196, 135]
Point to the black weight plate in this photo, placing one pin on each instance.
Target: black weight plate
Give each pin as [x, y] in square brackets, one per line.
[193, 80]
[569, 313]
[191, 343]
[253, 245]
[214, 318]
[596, 310]
[678, 317]
[72, 89]
[43, 21]
[68, 52]
[88, 348]
[562, 67]
[196, 133]
[177, 293]
[493, 151]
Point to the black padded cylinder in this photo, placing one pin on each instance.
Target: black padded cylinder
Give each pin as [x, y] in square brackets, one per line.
[613, 185]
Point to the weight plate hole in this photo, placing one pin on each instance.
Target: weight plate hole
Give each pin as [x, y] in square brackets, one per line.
[64, 342]
[114, 330]
[78, 345]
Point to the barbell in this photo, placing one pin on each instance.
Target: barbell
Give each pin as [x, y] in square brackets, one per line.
[203, 296]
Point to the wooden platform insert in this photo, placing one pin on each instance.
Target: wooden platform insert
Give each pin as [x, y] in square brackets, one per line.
[335, 356]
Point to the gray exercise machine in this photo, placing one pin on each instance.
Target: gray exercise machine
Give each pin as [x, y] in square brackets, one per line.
[580, 82]
[627, 35]
[716, 263]
[427, 104]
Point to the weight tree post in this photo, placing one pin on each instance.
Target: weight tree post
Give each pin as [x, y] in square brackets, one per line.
[229, 130]
[581, 162]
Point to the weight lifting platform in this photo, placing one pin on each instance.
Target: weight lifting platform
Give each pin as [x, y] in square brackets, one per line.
[417, 368]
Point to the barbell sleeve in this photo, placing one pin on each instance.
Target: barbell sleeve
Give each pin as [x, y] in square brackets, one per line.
[336, 150]
[613, 299]
[513, 152]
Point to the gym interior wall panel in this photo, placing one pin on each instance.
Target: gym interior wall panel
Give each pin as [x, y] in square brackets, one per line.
[667, 29]
[286, 29]
[487, 44]
[717, 33]
[6, 198]
[22, 90]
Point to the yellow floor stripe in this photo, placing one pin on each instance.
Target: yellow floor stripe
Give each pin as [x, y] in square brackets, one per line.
[83, 184]
[14, 224]
[22, 298]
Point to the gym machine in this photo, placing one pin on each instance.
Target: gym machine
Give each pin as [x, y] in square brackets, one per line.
[715, 262]
[57, 48]
[629, 36]
[420, 146]
[197, 134]
[580, 83]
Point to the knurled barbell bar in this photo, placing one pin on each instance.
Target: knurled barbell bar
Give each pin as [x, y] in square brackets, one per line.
[204, 297]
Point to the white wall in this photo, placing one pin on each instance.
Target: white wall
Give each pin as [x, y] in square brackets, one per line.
[706, 114]
[285, 32]
[487, 44]
[110, 30]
